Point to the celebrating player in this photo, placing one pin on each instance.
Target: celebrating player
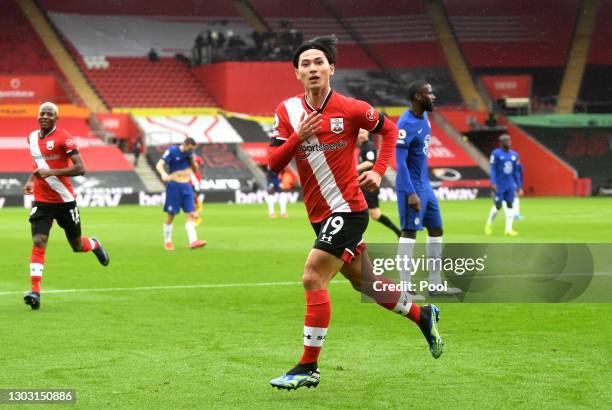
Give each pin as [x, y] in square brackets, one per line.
[179, 193]
[367, 158]
[505, 183]
[417, 204]
[319, 129]
[56, 158]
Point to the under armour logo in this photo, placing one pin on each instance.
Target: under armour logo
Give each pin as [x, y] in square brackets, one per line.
[308, 337]
[326, 238]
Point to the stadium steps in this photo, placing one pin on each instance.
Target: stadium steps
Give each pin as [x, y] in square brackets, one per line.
[578, 54]
[258, 174]
[146, 173]
[61, 56]
[456, 61]
[464, 143]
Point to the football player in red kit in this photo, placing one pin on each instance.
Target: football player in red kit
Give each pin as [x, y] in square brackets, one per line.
[319, 129]
[56, 158]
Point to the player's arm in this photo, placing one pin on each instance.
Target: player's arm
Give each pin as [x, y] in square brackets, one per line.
[518, 177]
[284, 145]
[369, 156]
[403, 180]
[160, 167]
[365, 166]
[493, 173]
[375, 123]
[28, 188]
[77, 168]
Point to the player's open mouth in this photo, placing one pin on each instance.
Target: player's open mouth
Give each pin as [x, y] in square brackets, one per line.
[315, 78]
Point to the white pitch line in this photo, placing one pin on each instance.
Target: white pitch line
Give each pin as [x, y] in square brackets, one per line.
[258, 284]
[166, 287]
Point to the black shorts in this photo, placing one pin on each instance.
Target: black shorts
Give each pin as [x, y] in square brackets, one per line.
[371, 198]
[341, 234]
[66, 215]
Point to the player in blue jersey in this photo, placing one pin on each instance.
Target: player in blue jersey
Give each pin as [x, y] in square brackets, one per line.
[275, 194]
[505, 183]
[416, 201]
[179, 193]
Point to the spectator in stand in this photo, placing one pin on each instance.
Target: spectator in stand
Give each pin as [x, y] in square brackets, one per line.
[136, 150]
[153, 57]
[198, 46]
[491, 120]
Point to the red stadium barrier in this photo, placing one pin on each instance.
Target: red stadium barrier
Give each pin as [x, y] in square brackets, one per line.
[507, 86]
[20, 89]
[254, 88]
[545, 173]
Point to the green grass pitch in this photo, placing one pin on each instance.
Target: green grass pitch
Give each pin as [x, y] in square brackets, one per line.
[172, 344]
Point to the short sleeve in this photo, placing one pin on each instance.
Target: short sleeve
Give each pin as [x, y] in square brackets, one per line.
[166, 155]
[69, 145]
[366, 116]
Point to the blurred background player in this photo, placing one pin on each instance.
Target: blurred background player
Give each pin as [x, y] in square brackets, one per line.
[517, 203]
[179, 192]
[367, 158]
[505, 183]
[417, 204]
[275, 194]
[196, 181]
[319, 130]
[56, 158]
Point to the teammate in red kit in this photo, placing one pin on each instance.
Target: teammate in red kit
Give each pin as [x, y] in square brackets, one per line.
[56, 158]
[319, 129]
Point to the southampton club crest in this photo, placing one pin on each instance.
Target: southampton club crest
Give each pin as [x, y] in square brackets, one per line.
[50, 145]
[336, 125]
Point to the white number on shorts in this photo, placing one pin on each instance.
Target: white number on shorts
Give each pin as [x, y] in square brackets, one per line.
[336, 222]
[74, 213]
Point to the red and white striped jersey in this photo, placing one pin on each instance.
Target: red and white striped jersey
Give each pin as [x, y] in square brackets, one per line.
[52, 152]
[325, 162]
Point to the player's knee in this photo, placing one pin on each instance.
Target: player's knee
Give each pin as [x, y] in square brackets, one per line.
[408, 234]
[433, 232]
[374, 213]
[40, 241]
[311, 280]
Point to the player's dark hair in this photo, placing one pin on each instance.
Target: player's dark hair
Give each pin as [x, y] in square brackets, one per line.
[415, 87]
[190, 141]
[327, 44]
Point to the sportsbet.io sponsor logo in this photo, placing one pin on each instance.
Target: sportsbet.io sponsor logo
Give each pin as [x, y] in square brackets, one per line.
[305, 150]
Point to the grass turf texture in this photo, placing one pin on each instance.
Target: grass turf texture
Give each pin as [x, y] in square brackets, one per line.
[218, 347]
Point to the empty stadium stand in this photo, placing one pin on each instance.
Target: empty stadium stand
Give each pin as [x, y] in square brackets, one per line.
[137, 82]
[520, 33]
[596, 88]
[21, 50]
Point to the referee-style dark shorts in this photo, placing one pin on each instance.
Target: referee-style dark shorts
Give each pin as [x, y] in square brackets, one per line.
[66, 214]
[371, 198]
[341, 234]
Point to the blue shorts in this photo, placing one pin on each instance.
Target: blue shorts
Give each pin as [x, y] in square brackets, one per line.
[428, 216]
[179, 195]
[504, 194]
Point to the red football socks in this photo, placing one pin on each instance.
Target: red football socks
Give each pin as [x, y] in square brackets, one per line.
[316, 321]
[87, 244]
[37, 263]
[394, 299]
